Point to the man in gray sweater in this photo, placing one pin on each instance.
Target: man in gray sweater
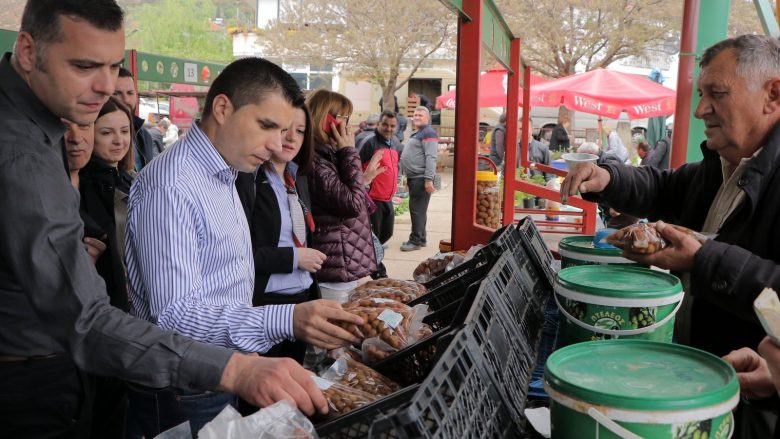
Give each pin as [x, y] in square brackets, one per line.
[418, 163]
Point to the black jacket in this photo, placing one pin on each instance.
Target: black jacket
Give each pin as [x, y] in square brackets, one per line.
[731, 269]
[97, 183]
[264, 218]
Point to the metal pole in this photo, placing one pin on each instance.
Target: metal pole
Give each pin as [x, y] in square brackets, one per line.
[466, 123]
[685, 81]
[510, 141]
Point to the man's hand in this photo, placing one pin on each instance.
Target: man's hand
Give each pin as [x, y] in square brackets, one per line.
[585, 177]
[771, 354]
[429, 186]
[678, 256]
[263, 381]
[343, 135]
[312, 324]
[310, 259]
[373, 169]
[754, 378]
[95, 248]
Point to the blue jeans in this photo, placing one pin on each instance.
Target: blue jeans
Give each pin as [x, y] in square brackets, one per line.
[158, 410]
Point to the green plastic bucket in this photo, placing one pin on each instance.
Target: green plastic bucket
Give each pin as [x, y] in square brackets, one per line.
[629, 389]
[599, 302]
[579, 250]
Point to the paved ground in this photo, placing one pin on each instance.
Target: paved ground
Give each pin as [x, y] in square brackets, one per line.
[400, 265]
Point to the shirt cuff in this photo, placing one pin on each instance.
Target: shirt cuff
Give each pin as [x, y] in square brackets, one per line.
[295, 259]
[279, 323]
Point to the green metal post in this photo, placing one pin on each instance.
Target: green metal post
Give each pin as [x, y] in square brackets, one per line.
[713, 27]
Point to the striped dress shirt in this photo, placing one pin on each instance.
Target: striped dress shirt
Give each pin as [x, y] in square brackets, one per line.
[189, 253]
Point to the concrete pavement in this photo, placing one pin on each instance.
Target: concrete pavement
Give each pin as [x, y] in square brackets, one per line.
[401, 265]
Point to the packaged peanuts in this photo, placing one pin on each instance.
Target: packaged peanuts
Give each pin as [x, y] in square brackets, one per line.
[400, 290]
[386, 319]
[357, 375]
[644, 238]
[374, 349]
[342, 399]
[437, 265]
[488, 204]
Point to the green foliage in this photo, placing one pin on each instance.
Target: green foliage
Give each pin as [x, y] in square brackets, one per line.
[401, 208]
[179, 28]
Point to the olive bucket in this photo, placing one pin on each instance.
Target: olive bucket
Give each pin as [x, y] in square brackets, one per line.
[639, 389]
[579, 250]
[616, 301]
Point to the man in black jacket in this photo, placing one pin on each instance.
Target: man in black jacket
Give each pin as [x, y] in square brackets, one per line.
[143, 144]
[732, 195]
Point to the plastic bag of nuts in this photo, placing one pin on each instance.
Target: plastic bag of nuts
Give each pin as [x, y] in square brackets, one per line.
[437, 265]
[374, 349]
[644, 238]
[357, 375]
[342, 399]
[403, 295]
[384, 318]
[408, 286]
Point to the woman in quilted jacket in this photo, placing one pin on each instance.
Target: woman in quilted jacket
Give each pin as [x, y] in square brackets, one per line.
[339, 201]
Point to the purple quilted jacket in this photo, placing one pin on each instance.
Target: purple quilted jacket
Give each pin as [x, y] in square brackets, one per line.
[340, 209]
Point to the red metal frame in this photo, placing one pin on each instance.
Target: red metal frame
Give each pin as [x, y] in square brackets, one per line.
[465, 232]
[685, 73]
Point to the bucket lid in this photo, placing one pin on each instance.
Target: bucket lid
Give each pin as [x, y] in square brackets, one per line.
[619, 281]
[584, 244]
[641, 375]
[486, 176]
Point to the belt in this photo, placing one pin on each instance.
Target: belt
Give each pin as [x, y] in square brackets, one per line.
[12, 359]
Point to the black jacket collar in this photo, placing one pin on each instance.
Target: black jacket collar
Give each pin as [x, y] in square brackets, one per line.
[17, 91]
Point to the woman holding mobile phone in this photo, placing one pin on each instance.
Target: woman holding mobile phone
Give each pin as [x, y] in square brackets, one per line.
[340, 204]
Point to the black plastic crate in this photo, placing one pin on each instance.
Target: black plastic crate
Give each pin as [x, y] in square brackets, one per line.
[412, 364]
[457, 400]
[509, 238]
[506, 323]
[546, 347]
[537, 249]
[451, 285]
[357, 423]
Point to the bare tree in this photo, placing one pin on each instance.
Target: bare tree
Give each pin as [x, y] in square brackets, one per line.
[374, 40]
[561, 35]
[743, 18]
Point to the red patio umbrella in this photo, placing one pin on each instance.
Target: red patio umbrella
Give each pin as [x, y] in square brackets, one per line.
[606, 93]
[492, 90]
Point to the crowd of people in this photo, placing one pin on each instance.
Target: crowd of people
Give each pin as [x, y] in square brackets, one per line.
[143, 274]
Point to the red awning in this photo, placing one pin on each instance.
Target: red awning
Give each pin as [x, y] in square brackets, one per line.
[492, 90]
[606, 93]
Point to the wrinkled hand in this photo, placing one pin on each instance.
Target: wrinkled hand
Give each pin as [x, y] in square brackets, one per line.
[585, 177]
[373, 169]
[342, 134]
[310, 259]
[429, 187]
[771, 354]
[95, 248]
[755, 380]
[312, 324]
[263, 381]
[677, 256]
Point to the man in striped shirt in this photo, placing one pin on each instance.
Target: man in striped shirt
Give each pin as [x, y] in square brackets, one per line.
[188, 248]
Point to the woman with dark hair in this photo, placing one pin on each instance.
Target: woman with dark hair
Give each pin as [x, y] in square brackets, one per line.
[276, 201]
[340, 204]
[104, 184]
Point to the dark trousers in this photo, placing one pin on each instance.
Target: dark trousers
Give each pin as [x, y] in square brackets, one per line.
[46, 398]
[158, 410]
[382, 223]
[418, 209]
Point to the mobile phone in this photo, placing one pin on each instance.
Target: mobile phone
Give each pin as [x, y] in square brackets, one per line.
[329, 119]
[767, 307]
